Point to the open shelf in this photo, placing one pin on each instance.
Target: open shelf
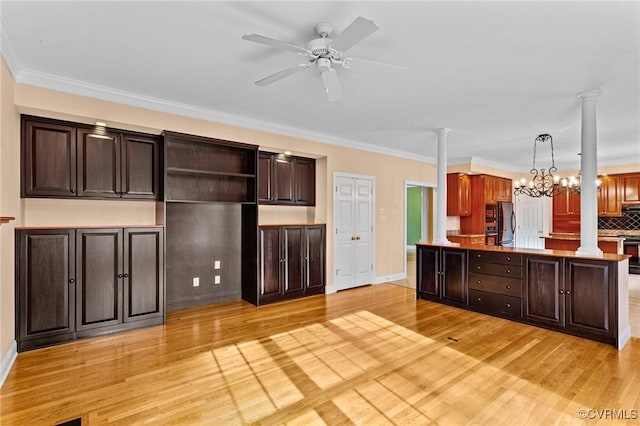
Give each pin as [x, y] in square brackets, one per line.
[206, 172]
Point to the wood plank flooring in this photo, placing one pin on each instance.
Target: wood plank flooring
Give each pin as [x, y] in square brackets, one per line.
[371, 356]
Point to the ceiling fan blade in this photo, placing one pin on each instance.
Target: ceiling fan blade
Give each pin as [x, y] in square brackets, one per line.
[282, 74]
[277, 43]
[332, 84]
[346, 61]
[356, 31]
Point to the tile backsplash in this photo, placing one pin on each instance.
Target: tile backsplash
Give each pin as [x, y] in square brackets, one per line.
[630, 220]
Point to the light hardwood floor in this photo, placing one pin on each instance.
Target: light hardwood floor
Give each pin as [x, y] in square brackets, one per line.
[371, 356]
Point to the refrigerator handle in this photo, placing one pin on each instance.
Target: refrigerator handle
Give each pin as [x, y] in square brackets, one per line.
[513, 221]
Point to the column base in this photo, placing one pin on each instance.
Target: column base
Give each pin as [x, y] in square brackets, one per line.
[589, 251]
[441, 241]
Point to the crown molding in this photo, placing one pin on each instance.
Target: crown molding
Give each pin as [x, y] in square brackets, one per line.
[6, 50]
[77, 87]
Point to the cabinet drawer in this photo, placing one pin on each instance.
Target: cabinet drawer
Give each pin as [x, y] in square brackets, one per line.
[493, 284]
[496, 257]
[497, 304]
[481, 267]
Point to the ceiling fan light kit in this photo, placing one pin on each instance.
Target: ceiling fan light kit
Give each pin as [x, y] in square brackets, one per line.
[323, 51]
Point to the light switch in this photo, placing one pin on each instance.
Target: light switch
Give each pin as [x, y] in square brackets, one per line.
[196, 281]
[216, 264]
[216, 279]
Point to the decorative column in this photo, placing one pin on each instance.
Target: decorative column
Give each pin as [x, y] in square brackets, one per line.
[588, 177]
[440, 234]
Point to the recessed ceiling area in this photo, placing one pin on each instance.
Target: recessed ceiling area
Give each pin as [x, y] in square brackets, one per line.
[496, 73]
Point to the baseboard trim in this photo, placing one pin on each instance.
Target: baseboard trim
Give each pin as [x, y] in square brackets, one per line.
[7, 361]
[392, 277]
[624, 336]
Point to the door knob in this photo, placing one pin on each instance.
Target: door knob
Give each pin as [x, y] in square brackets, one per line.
[358, 237]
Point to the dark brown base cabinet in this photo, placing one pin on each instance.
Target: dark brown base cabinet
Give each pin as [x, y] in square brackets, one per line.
[442, 275]
[292, 262]
[567, 294]
[76, 283]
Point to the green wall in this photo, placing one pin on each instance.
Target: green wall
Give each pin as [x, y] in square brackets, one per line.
[414, 214]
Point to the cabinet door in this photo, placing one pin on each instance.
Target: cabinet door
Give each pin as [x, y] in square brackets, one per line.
[293, 283]
[454, 277]
[428, 271]
[631, 188]
[609, 203]
[458, 195]
[591, 298]
[48, 159]
[46, 288]
[139, 167]
[314, 255]
[271, 264]
[265, 177]
[304, 176]
[143, 276]
[99, 278]
[283, 178]
[98, 164]
[543, 291]
[490, 189]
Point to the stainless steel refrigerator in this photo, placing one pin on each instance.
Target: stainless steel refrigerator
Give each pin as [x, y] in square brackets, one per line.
[506, 221]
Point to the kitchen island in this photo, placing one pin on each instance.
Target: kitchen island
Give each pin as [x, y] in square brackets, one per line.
[556, 289]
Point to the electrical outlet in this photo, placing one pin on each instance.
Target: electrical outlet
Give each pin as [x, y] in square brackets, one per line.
[216, 264]
[216, 279]
[196, 281]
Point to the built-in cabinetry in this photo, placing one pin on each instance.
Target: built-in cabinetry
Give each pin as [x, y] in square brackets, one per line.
[75, 283]
[458, 194]
[211, 218]
[485, 190]
[495, 283]
[630, 193]
[442, 275]
[285, 179]
[569, 294]
[292, 261]
[609, 196]
[566, 211]
[61, 159]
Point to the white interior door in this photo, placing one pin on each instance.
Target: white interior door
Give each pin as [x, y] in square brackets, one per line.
[530, 221]
[354, 233]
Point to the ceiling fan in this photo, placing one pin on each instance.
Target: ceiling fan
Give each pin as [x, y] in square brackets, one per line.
[323, 52]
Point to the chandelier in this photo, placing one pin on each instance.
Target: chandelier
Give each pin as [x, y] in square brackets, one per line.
[543, 183]
[572, 183]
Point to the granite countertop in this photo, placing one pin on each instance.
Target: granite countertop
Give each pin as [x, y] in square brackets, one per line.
[576, 236]
[615, 232]
[540, 252]
[466, 235]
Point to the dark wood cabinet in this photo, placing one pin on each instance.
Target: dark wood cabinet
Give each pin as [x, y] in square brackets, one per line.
[99, 278]
[609, 200]
[45, 279]
[458, 194]
[49, 159]
[495, 283]
[291, 262]
[442, 274]
[62, 159]
[543, 284]
[286, 180]
[200, 169]
[75, 283]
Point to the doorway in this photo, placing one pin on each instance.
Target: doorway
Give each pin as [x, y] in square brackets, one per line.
[532, 221]
[354, 239]
[419, 218]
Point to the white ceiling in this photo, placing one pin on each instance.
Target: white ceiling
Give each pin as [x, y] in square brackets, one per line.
[496, 73]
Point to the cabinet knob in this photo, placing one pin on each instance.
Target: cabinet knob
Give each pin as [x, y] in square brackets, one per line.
[567, 292]
[478, 256]
[508, 286]
[479, 267]
[71, 281]
[479, 299]
[478, 281]
[72, 190]
[561, 291]
[119, 275]
[508, 305]
[126, 275]
[508, 271]
[509, 258]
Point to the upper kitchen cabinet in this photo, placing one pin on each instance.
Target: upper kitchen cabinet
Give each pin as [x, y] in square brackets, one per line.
[458, 194]
[609, 200]
[485, 189]
[286, 180]
[631, 188]
[566, 212]
[64, 160]
[497, 189]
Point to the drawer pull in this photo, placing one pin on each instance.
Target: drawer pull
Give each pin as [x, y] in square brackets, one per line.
[508, 286]
[567, 292]
[479, 299]
[479, 268]
[509, 258]
[478, 256]
[508, 271]
[71, 281]
[561, 291]
[478, 281]
[508, 305]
